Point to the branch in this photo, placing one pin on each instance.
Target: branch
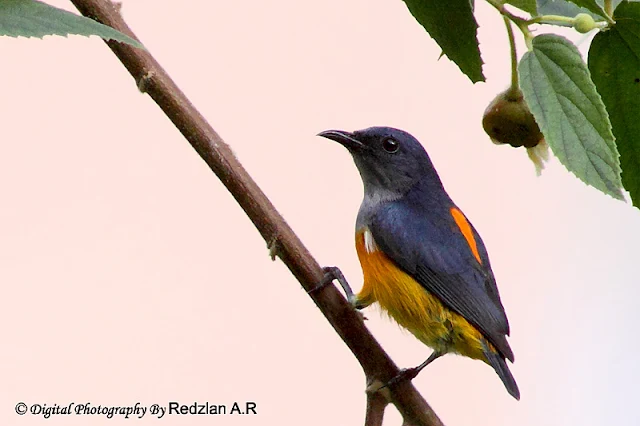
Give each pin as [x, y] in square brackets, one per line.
[377, 400]
[280, 238]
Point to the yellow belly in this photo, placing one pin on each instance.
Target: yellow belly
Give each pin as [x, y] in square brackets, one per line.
[411, 306]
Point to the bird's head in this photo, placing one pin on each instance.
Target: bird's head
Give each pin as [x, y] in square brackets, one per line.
[389, 160]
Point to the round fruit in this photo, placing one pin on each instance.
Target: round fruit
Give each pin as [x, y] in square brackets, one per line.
[507, 120]
[583, 23]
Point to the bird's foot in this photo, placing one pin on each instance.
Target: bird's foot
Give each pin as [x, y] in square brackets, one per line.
[406, 374]
[332, 273]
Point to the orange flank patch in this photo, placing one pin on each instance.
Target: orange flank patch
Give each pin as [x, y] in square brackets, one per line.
[411, 305]
[465, 228]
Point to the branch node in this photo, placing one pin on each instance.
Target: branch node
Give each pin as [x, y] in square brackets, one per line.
[375, 386]
[376, 402]
[145, 80]
[274, 247]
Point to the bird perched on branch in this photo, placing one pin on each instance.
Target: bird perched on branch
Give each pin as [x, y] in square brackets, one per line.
[422, 260]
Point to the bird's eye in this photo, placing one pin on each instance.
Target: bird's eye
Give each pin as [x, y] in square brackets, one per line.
[390, 145]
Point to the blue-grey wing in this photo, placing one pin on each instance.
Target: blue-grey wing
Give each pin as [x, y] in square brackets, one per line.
[428, 245]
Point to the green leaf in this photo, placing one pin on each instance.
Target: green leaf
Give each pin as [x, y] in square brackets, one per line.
[30, 18]
[453, 27]
[614, 62]
[565, 8]
[562, 8]
[592, 6]
[559, 7]
[528, 6]
[564, 101]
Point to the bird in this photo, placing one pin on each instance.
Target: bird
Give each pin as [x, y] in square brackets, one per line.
[422, 260]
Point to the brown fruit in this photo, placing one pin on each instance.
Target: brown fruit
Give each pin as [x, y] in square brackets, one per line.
[508, 120]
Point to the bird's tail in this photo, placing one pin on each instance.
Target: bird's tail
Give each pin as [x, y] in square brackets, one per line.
[499, 364]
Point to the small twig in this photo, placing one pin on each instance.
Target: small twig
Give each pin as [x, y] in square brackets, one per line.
[377, 401]
[552, 20]
[520, 22]
[515, 86]
[218, 156]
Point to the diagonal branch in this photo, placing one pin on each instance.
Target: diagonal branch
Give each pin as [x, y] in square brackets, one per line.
[280, 238]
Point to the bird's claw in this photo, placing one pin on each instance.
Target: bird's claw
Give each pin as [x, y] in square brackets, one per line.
[407, 374]
[332, 273]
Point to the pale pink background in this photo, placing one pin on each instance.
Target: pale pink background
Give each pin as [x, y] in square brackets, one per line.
[131, 275]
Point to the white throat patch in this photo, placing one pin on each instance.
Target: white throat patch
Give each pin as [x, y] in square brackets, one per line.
[369, 243]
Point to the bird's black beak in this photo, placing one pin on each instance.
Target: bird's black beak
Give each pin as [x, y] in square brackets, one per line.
[346, 139]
